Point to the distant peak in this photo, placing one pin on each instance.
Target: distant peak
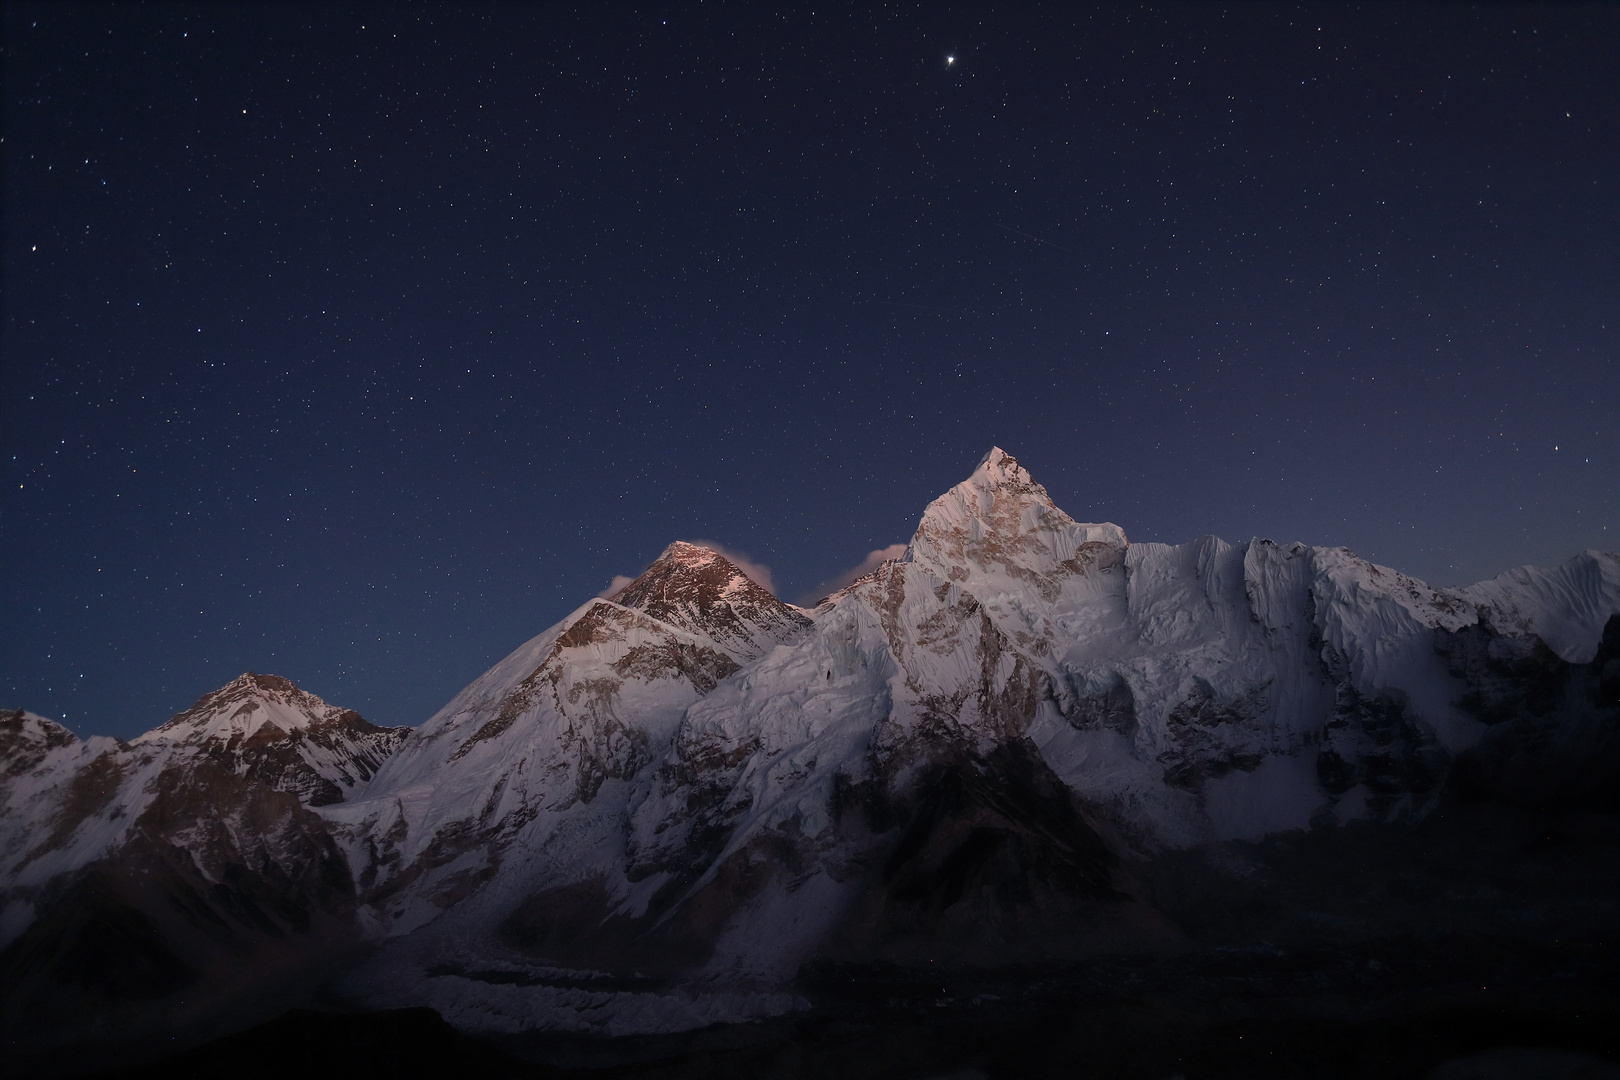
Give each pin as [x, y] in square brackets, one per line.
[1000, 520]
[251, 694]
[998, 475]
[687, 567]
[250, 680]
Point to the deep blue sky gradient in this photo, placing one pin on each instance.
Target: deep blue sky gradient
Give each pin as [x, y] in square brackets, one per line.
[360, 344]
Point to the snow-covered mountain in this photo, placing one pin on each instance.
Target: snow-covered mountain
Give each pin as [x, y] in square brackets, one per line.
[655, 813]
[185, 867]
[89, 796]
[946, 760]
[548, 739]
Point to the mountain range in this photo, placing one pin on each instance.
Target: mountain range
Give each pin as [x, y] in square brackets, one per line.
[1014, 746]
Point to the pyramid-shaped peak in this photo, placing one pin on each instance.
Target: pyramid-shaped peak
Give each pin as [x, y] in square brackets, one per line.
[693, 573]
[1000, 521]
[268, 688]
[687, 554]
[996, 485]
[703, 592]
[998, 459]
[999, 469]
[244, 705]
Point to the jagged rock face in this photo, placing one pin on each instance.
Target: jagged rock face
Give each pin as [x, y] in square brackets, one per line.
[704, 593]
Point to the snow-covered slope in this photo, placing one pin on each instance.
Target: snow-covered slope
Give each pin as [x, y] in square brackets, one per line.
[66, 803]
[947, 762]
[168, 881]
[541, 746]
[652, 814]
[25, 739]
[264, 726]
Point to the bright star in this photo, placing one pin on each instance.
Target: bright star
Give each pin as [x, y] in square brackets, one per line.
[949, 60]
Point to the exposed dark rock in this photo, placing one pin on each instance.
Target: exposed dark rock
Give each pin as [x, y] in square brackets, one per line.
[702, 591]
[1554, 738]
[25, 740]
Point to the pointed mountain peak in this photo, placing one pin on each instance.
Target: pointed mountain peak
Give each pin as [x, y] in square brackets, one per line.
[25, 739]
[998, 478]
[244, 706]
[689, 571]
[701, 591]
[999, 472]
[250, 681]
[683, 552]
[1002, 465]
[1001, 521]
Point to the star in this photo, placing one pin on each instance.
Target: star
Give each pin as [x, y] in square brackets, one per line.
[949, 60]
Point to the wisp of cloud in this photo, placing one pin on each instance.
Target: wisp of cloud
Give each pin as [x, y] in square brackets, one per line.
[757, 572]
[873, 560]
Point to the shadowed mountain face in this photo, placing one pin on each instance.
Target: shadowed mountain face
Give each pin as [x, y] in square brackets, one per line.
[1025, 746]
[1552, 738]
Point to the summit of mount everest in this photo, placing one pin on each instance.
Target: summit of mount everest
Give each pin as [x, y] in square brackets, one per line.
[664, 810]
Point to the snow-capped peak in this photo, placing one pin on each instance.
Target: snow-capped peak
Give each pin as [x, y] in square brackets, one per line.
[265, 726]
[699, 590]
[691, 570]
[1003, 467]
[250, 708]
[1001, 524]
[25, 739]
[695, 781]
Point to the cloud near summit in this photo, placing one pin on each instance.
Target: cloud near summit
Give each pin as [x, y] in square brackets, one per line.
[619, 581]
[757, 572]
[873, 560]
[760, 574]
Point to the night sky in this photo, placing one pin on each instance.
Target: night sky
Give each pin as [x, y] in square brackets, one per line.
[358, 345]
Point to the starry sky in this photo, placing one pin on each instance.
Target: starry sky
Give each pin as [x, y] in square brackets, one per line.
[359, 344]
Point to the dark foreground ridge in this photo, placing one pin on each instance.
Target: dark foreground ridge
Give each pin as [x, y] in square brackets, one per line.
[1480, 943]
[1126, 1040]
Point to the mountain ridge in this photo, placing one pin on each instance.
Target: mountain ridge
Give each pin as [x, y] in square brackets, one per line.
[655, 813]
